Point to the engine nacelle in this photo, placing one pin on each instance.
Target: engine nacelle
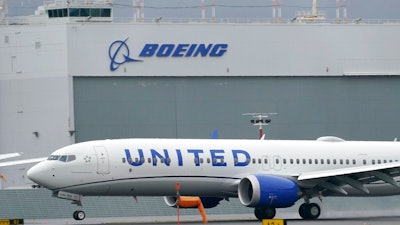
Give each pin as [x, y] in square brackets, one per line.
[262, 190]
[192, 201]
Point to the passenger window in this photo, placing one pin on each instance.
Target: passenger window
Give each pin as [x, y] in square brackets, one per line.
[316, 161]
[310, 161]
[354, 162]
[373, 162]
[322, 161]
[123, 160]
[265, 160]
[259, 161]
[254, 161]
[334, 161]
[328, 161]
[276, 161]
[298, 161]
[379, 161]
[291, 161]
[304, 161]
[284, 161]
[341, 161]
[364, 162]
[347, 162]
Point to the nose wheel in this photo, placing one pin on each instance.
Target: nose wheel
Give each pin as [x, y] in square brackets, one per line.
[79, 215]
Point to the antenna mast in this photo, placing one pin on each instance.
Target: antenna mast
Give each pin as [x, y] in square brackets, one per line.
[260, 120]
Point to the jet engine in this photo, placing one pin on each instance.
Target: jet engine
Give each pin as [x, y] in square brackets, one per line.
[262, 190]
[192, 202]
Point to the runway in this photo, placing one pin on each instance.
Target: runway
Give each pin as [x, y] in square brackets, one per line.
[217, 220]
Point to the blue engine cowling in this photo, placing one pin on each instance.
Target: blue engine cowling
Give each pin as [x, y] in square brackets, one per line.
[262, 190]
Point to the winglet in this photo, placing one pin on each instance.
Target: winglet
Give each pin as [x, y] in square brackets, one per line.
[214, 134]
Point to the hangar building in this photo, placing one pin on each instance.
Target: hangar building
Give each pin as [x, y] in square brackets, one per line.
[71, 74]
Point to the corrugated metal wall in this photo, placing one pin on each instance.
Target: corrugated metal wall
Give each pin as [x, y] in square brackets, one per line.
[354, 108]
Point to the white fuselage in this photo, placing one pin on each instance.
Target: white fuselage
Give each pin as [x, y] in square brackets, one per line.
[135, 167]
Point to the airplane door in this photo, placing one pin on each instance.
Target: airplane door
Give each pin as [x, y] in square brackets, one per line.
[103, 166]
[277, 163]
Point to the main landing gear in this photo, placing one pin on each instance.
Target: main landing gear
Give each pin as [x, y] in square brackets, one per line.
[79, 215]
[264, 213]
[309, 211]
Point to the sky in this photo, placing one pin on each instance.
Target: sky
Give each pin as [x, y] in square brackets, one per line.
[365, 9]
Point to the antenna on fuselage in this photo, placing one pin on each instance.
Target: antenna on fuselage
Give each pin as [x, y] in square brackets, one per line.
[260, 120]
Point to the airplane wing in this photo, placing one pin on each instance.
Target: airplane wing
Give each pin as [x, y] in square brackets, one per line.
[332, 181]
[23, 161]
[9, 155]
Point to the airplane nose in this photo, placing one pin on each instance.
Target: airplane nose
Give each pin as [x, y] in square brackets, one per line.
[37, 174]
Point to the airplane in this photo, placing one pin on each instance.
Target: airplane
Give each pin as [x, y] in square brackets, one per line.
[263, 174]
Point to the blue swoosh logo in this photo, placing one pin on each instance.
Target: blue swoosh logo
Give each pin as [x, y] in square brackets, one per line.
[119, 54]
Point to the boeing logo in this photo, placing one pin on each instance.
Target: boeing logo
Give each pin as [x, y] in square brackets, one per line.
[119, 52]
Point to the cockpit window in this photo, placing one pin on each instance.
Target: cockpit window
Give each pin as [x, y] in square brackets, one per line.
[71, 158]
[53, 157]
[62, 158]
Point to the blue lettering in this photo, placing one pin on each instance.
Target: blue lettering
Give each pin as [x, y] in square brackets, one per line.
[243, 161]
[137, 162]
[191, 50]
[196, 153]
[218, 50]
[165, 50]
[179, 155]
[217, 160]
[180, 50]
[164, 158]
[148, 50]
[203, 50]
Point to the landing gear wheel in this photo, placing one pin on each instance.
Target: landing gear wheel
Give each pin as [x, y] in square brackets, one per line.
[79, 215]
[309, 211]
[264, 213]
